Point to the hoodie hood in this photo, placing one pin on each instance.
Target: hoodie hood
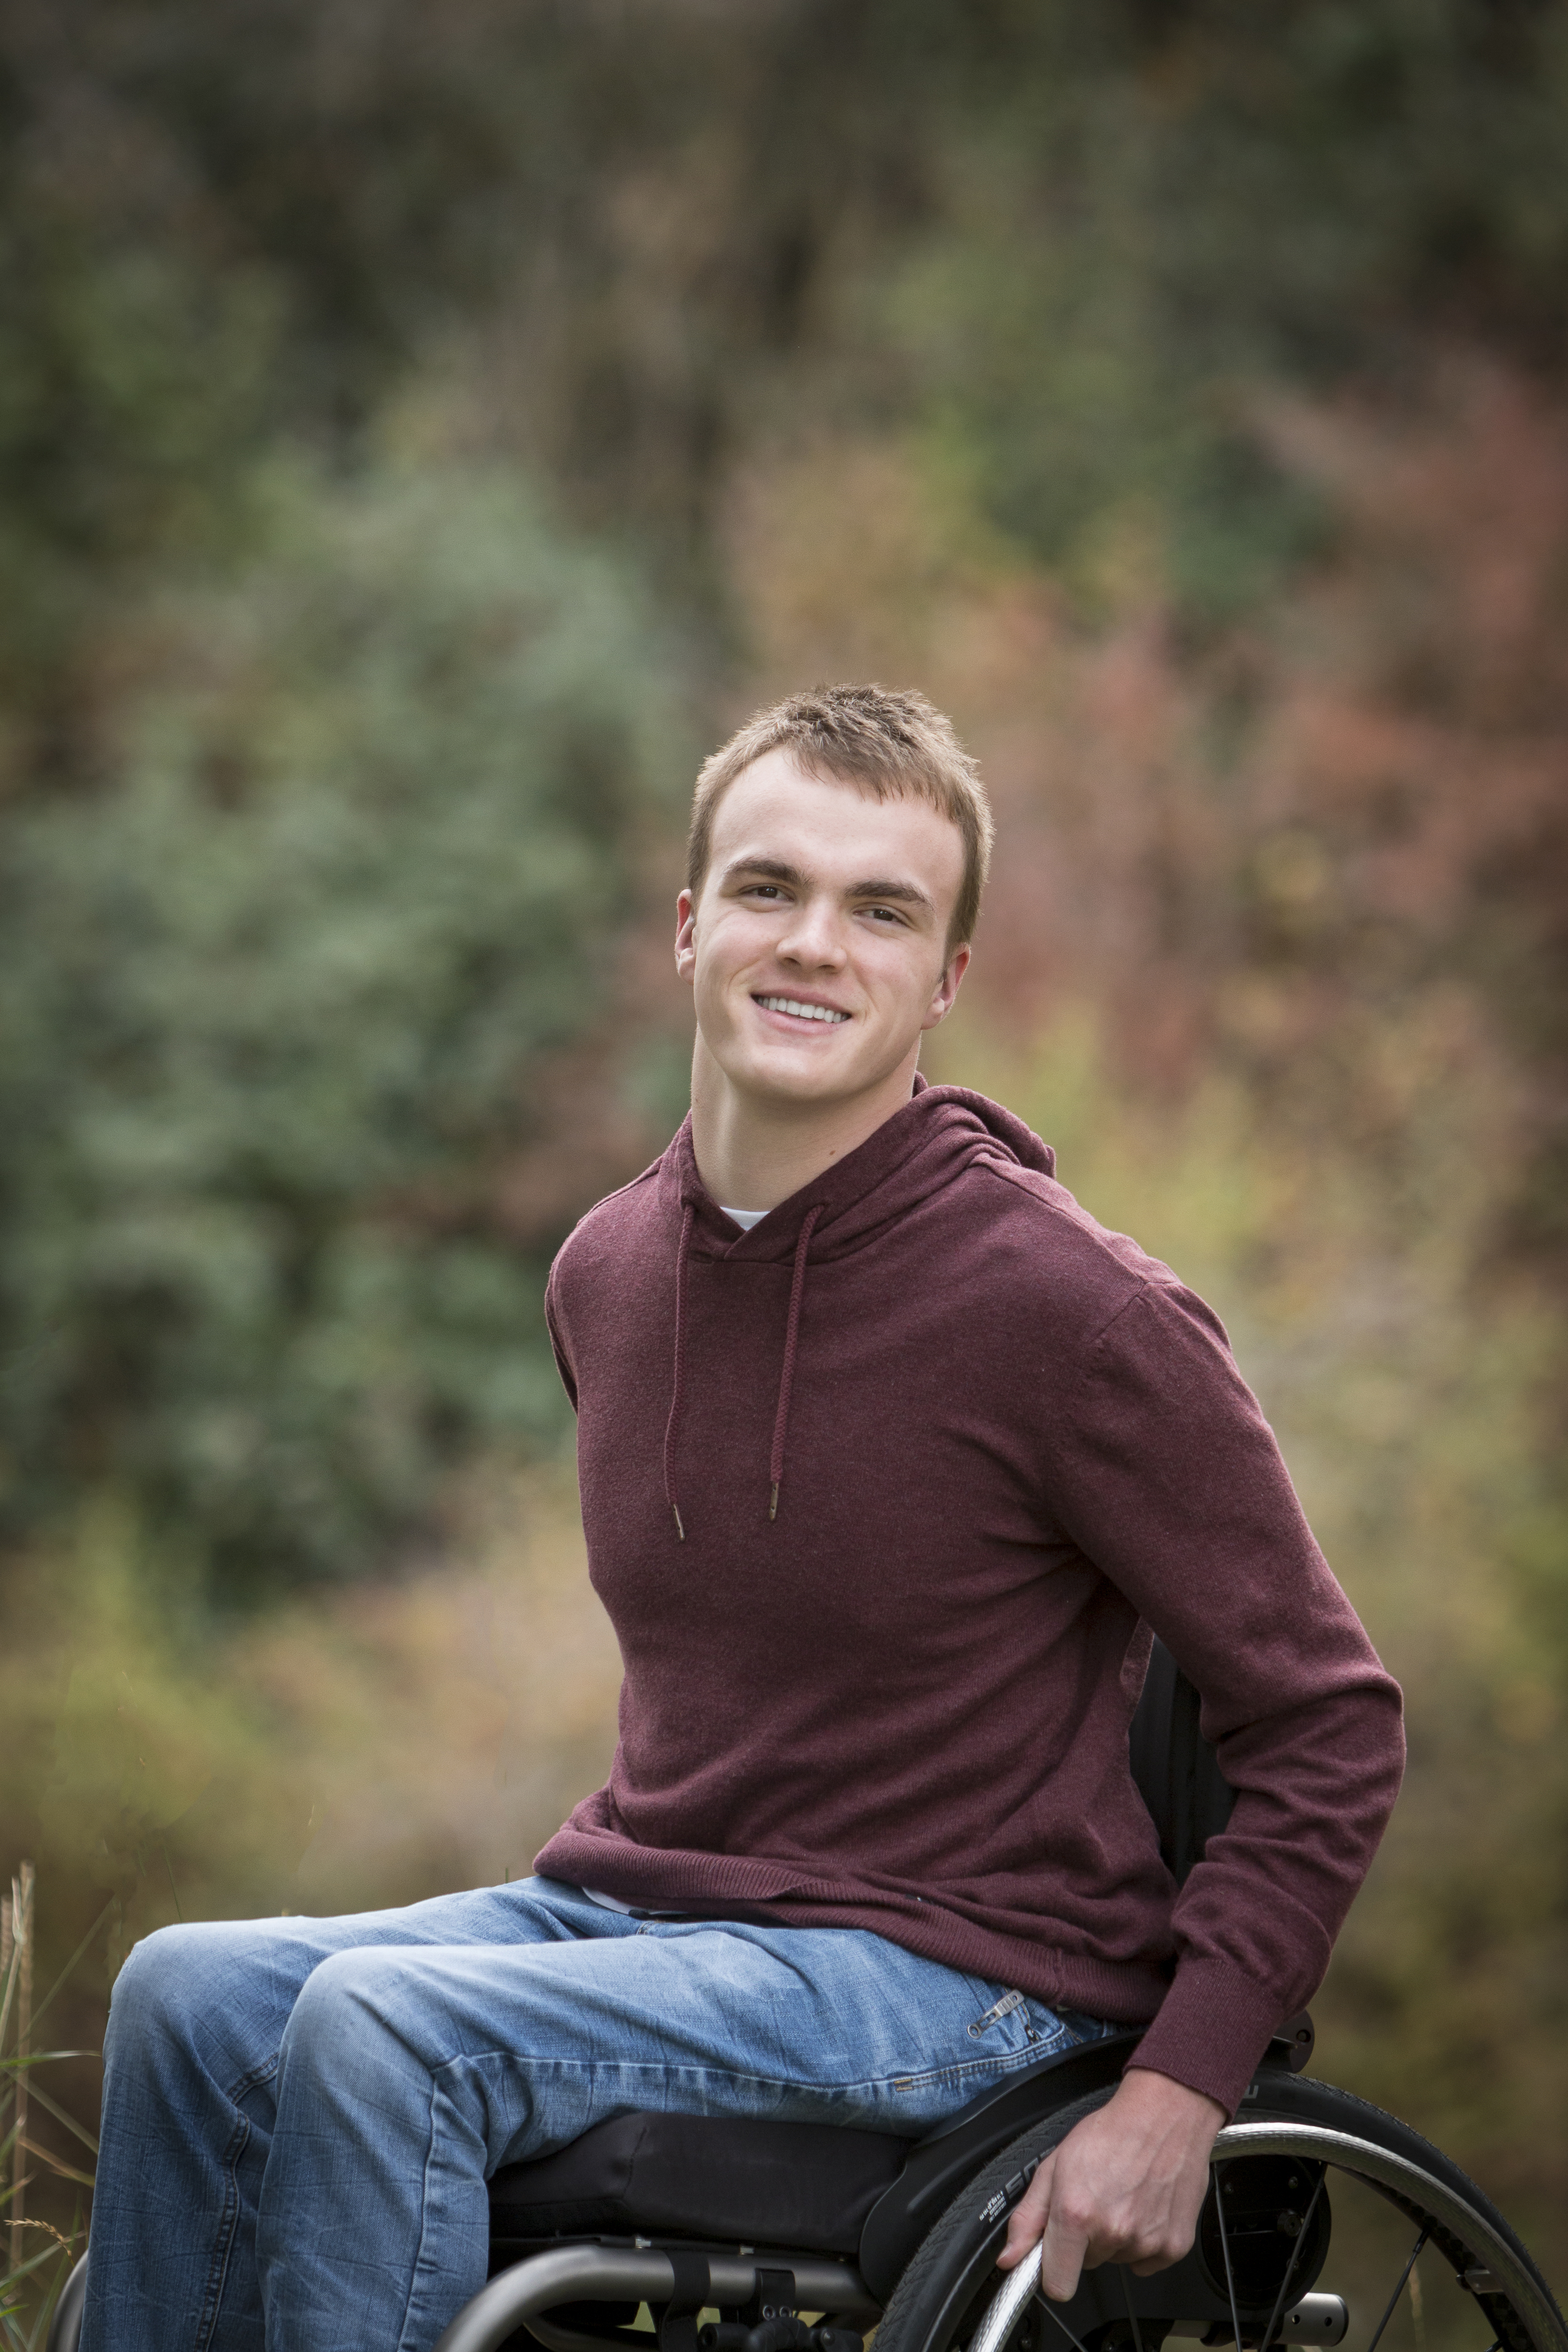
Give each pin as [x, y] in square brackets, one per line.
[935, 1138]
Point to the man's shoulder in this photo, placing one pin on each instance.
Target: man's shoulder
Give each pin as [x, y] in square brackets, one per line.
[1037, 1250]
[604, 1232]
[1016, 1217]
[1031, 1217]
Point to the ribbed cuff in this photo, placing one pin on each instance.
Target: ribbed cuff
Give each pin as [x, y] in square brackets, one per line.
[1213, 2027]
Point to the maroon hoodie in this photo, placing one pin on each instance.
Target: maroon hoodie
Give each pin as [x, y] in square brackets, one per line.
[883, 1498]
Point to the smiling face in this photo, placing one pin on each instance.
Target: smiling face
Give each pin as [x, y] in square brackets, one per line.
[817, 950]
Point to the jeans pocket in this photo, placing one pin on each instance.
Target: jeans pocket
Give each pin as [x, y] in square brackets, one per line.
[1002, 2039]
[1078, 2028]
[1016, 2021]
[1008, 2024]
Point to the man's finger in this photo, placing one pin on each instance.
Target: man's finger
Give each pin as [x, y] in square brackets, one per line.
[1062, 2250]
[1027, 2222]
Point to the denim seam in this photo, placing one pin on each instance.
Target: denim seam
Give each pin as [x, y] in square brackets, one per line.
[539, 2063]
[404, 2344]
[999, 2062]
[223, 2244]
[1002, 2062]
[228, 2219]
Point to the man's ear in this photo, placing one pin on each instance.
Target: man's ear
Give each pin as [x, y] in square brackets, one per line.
[685, 936]
[947, 988]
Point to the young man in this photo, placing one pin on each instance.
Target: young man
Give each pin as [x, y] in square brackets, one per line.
[891, 1460]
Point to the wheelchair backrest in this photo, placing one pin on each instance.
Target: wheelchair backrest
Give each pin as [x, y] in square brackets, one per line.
[1178, 1773]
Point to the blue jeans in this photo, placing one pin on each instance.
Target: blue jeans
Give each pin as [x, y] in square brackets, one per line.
[300, 2115]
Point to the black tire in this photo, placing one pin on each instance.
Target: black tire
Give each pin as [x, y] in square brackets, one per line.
[65, 2324]
[952, 2281]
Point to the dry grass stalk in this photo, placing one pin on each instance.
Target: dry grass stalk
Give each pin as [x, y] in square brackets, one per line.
[20, 1922]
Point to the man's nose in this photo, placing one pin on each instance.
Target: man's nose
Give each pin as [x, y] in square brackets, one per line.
[813, 936]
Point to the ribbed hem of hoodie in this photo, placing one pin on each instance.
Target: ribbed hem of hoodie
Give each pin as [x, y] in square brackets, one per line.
[1213, 2026]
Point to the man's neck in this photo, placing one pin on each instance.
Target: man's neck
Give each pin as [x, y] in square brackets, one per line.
[752, 1153]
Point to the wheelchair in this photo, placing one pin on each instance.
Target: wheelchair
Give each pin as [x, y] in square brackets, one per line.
[1327, 2221]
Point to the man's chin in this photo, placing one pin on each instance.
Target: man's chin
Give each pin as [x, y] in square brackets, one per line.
[798, 1090]
[790, 1082]
[786, 1076]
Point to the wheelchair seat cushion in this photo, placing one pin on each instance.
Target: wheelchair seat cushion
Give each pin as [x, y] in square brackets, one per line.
[805, 2185]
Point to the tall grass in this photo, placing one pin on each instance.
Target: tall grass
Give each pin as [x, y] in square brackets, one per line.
[39, 2255]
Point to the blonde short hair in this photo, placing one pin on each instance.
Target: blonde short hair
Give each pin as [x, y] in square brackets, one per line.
[885, 744]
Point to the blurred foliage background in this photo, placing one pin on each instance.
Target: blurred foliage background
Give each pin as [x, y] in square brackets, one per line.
[423, 432]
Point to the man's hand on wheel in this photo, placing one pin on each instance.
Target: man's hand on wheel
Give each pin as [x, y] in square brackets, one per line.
[1125, 2186]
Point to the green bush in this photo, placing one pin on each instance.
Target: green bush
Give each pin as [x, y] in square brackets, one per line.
[273, 1007]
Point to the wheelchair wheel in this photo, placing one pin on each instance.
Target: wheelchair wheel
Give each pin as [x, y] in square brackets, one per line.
[1327, 2223]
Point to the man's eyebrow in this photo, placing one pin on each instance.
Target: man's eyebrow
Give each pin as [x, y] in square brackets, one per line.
[776, 869]
[910, 892]
[773, 868]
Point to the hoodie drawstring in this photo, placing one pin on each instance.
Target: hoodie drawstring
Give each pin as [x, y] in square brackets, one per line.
[796, 1294]
[673, 1424]
[787, 1376]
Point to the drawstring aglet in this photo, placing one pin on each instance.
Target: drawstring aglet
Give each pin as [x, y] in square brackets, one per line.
[680, 1530]
[773, 1501]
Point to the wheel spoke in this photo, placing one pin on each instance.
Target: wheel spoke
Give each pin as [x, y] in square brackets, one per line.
[1301, 2237]
[1061, 2323]
[1132, 2316]
[1225, 2249]
[1399, 2290]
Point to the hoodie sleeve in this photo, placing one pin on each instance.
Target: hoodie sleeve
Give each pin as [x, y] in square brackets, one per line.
[554, 1323]
[1168, 1478]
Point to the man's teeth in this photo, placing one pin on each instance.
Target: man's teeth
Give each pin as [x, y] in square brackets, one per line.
[802, 1012]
